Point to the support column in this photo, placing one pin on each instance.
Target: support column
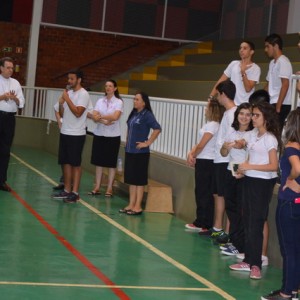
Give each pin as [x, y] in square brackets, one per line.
[34, 42]
[293, 24]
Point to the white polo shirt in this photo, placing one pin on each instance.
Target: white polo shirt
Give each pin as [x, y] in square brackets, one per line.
[282, 68]
[225, 127]
[233, 71]
[208, 151]
[71, 124]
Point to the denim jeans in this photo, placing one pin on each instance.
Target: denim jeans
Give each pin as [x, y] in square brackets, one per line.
[288, 229]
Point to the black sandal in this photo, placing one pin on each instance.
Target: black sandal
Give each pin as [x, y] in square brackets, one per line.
[124, 210]
[94, 193]
[134, 213]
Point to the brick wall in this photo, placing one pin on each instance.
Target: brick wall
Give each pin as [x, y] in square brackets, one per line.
[100, 56]
[15, 35]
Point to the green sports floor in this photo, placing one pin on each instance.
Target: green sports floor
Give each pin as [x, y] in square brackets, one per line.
[52, 250]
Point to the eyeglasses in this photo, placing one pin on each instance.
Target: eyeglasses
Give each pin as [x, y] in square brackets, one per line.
[256, 115]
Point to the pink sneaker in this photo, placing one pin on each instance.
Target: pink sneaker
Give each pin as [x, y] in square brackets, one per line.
[193, 227]
[255, 272]
[240, 267]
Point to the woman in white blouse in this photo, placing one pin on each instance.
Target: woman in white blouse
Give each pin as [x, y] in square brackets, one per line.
[260, 172]
[107, 136]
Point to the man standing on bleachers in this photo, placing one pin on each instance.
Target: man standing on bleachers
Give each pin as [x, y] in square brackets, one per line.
[278, 77]
[11, 99]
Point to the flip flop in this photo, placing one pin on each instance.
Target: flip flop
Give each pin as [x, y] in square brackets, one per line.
[94, 193]
[108, 194]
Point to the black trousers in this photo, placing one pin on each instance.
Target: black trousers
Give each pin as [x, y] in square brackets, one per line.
[285, 110]
[7, 131]
[233, 205]
[257, 193]
[204, 172]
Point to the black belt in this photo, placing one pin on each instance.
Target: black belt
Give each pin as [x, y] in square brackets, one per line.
[6, 113]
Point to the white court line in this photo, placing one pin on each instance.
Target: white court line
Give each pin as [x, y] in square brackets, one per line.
[100, 286]
[149, 246]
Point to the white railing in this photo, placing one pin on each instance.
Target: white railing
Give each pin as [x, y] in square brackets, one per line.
[180, 119]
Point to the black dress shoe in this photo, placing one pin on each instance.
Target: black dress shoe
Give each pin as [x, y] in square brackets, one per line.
[4, 187]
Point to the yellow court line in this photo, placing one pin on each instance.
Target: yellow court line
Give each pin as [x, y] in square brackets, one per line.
[149, 246]
[100, 286]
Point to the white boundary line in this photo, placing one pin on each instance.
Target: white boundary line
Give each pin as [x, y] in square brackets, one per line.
[149, 246]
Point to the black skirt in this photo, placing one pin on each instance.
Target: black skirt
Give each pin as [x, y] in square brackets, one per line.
[136, 168]
[105, 151]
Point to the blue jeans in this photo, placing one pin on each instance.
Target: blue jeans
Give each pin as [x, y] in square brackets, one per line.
[288, 229]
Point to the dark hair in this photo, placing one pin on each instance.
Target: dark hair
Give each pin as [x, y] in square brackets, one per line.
[228, 88]
[146, 100]
[292, 127]
[116, 92]
[78, 73]
[274, 39]
[236, 124]
[4, 59]
[259, 95]
[251, 45]
[215, 111]
[270, 117]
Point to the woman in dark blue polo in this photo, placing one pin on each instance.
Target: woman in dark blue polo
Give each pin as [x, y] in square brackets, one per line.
[137, 152]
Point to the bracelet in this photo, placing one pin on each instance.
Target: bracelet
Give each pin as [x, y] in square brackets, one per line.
[243, 75]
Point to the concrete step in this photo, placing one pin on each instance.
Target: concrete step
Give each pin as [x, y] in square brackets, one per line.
[205, 72]
[224, 57]
[289, 40]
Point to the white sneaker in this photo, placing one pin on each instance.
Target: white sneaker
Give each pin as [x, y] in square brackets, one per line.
[193, 227]
[265, 259]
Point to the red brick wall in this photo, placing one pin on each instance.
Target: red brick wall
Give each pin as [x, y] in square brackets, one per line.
[15, 35]
[61, 50]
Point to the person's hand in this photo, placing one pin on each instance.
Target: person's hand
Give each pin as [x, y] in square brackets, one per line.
[292, 184]
[6, 96]
[191, 160]
[243, 167]
[228, 145]
[96, 116]
[245, 67]
[65, 95]
[239, 144]
[278, 108]
[239, 176]
[12, 95]
[140, 145]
